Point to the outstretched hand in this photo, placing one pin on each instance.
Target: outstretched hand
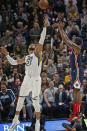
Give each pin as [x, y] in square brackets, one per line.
[3, 51]
[63, 34]
[58, 25]
[46, 20]
[55, 25]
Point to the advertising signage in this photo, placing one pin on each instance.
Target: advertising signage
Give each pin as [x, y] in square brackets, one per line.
[20, 127]
[55, 125]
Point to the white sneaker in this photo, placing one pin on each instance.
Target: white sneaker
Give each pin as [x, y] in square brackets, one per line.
[37, 125]
[14, 124]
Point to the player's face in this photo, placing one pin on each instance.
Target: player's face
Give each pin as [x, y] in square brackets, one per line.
[31, 49]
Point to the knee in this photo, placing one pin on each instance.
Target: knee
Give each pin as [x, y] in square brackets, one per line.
[38, 115]
[20, 103]
[36, 106]
[21, 100]
[77, 96]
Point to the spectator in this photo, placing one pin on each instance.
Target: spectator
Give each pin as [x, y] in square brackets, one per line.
[1, 73]
[65, 58]
[49, 100]
[68, 82]
[60, 69]
[46, 56]
[44, 74]
[16, 88]
[85, 74]
[47, 48]
[84, 34]
[56, 79]
[74, 15]
[7, 103]
[44, 82]
[69, 101]
[69, 26]
[20, 24]
[84, 3]
[24, 14]
[69, 7]
[51, 68]
[4, 80]
[20, 45]
[83, 17]
[15, 74]
[56, 46]
[7, 41]
[74, 33]
[68, 70]
[83, 95]
[84, 98]
[6, 24]
[28, 105]
[59, 7]
[84, 87]
[61, 99]
[44, 86]
[67, 2]
[34, 33]
[20, 39]
[45, 67]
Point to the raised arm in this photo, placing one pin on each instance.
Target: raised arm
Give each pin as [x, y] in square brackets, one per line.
[66, 40]
[39, 47]
[10, 59]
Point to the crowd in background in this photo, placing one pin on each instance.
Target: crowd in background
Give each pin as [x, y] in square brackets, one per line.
[21, 23]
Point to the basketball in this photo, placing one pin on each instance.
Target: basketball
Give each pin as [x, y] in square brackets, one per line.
[43, 4]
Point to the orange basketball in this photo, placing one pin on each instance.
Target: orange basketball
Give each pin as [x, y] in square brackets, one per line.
[43, 4]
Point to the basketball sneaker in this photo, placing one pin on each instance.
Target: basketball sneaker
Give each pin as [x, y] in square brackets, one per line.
[75, 117]
[14, 124]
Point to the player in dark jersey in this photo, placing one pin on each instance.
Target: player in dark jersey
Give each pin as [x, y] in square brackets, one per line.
[77, 72]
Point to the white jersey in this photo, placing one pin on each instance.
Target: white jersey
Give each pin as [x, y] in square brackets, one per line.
[32, 65]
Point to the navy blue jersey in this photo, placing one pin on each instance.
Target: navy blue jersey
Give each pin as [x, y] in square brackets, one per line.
[6, 98]
[76, 67]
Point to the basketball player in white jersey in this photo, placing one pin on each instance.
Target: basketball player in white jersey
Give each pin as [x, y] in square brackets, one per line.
[32, 79]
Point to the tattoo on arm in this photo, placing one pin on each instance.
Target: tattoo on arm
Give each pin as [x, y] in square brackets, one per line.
[67, 40]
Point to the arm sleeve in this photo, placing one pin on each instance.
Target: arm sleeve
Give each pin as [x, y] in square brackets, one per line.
[11, 60]
[43, 35]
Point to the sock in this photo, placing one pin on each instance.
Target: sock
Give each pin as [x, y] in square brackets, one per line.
[74, 108]
[16, 118]
[37, 125]
[78, 107]
[24, 115]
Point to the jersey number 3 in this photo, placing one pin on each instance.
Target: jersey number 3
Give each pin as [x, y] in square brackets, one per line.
[29, 60]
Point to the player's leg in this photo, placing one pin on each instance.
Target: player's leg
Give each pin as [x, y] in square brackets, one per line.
[77, 100]
[68, 127]
[37, 110]
[24, 91]
[36, 93]
[76, 104]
